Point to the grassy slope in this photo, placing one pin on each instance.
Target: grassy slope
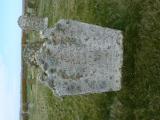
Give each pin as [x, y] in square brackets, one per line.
[140, 95]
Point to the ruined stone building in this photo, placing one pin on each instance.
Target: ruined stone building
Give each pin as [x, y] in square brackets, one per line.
[75, 57]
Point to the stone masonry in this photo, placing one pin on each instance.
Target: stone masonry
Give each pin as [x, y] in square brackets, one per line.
[80, 58]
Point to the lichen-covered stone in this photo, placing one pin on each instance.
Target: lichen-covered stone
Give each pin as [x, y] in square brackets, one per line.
[80, 58]
[29, 53]
[75, 57]
[28, 23]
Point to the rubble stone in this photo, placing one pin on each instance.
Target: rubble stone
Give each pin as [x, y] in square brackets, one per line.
[28, 23]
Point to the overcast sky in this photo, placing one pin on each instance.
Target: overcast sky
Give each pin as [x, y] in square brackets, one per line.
[10, 59]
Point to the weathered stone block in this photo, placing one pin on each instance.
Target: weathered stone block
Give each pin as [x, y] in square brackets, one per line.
[80, 58]
[28, 23]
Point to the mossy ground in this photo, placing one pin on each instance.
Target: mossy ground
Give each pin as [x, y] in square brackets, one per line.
[139, 98]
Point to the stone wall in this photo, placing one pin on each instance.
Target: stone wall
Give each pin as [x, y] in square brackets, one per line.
[75, 57]
[80, 58]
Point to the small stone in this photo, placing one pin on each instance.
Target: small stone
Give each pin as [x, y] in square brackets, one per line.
[33, 23]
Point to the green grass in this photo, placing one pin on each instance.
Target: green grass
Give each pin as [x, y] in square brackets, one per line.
[139, 98]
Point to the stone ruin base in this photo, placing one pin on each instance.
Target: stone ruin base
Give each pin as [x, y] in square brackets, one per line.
[80, 58]
[75, 57]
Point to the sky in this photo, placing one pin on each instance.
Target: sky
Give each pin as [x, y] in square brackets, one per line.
[10, 59]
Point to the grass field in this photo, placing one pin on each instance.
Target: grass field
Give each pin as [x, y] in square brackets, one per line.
[139, 98]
